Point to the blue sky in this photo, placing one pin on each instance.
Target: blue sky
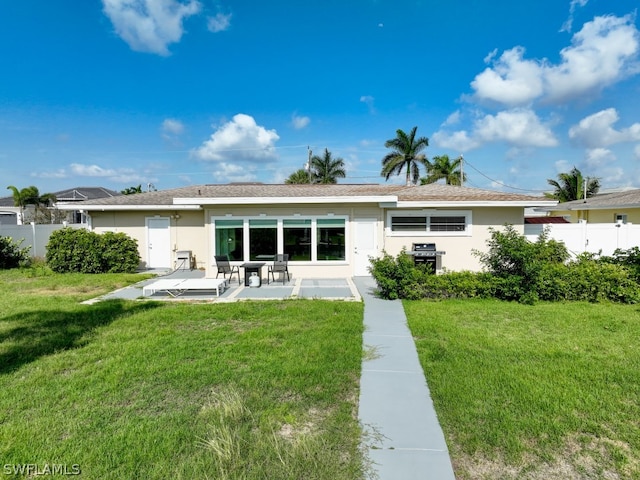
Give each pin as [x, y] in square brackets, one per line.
[117, 93]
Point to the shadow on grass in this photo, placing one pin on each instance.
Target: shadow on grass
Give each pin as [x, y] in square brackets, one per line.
[43, 332]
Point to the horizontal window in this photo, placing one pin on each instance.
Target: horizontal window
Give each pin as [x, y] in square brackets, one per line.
[447, 224]
[408, 224]
[425, 223]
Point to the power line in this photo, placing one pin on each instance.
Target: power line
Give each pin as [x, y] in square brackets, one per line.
[500, 183]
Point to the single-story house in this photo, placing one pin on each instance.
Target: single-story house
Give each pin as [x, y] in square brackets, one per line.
[327, 230]
[615, 207]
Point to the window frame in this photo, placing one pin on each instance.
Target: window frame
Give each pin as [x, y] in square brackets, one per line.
[427, 215]
[280, 235]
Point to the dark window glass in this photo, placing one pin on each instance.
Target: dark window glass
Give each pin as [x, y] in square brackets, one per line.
[330, 239]
[230, 239]
[408, 224]
[297, 239]
[263, 239]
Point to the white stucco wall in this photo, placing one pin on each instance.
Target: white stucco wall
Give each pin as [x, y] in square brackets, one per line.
[192, 230]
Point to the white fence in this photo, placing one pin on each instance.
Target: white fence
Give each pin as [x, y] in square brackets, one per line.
[589, 237]
[34, 236]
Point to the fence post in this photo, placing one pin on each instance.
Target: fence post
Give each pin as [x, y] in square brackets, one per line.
[33, 240]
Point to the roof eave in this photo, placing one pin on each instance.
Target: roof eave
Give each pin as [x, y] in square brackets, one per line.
[113, 208]
[286, 200]
[474, 203]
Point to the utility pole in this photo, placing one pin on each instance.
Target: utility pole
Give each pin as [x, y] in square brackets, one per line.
[461, 170]
[309, 163]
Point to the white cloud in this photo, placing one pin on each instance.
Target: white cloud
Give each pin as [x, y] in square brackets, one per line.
[568, 24]
[368, 100]
[219, 23]
[453, 119]
[517, 127]
[121, 175]
[239, 139]
[596, 130]
[60, 173]
[636, 152]
[599, 157]
[563, 166]
[603, 52]
[231, 172]
[511, 80]
[91, 170]
[299, 122]
[459, 141]
[171, 126]
[149, 25]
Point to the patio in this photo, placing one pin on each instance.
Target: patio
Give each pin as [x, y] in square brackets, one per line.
[322, 288]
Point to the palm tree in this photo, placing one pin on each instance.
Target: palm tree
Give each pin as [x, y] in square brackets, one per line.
[325, 169]
[132, 190]
[299, 176]
[24, 197]
[442, 167]
[405, 155]
[571, 186]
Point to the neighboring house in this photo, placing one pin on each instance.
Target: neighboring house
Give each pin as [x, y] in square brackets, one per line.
[327, 230]
[80, 194]
[603, 208]
[9, 212]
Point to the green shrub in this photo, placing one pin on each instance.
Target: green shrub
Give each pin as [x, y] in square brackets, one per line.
[517, 270]
[120, 253]
[628, 258]
[517, 263]
[399, 277]
[83, 251]
[12, 255]
[588, 279]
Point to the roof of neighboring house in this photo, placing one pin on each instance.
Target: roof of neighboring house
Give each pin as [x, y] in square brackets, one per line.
[72, 195]
[85, 193]
[626, 199]
[193, 197]
[544, 220]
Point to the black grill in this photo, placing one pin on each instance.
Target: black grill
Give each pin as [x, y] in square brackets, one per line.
[425, 254]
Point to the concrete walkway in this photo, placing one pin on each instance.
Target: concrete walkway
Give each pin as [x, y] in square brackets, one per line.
[405, 440]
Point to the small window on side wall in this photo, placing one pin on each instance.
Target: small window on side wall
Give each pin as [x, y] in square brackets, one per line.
[621, 218]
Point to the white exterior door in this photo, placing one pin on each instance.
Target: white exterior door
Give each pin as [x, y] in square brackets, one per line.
[365, 245]
[158, 243]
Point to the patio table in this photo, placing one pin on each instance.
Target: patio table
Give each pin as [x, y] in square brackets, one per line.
[252, 267]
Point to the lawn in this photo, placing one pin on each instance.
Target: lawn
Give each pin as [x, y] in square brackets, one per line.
[120, 389]
[550, 391]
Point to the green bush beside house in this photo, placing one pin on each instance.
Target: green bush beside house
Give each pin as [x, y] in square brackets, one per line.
[83, 251]
[517, 269]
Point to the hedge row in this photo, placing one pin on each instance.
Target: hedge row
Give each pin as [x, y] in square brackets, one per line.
[516, 269]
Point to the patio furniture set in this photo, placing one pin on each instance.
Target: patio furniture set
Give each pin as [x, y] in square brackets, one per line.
[252, 277]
